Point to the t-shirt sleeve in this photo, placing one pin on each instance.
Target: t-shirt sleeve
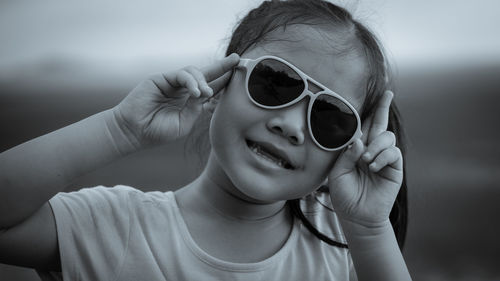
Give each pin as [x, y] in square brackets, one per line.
[93, 230]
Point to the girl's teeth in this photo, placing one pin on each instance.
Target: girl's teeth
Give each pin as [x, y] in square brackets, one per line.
[278, 162]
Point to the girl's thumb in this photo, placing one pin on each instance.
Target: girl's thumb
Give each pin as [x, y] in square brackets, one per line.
[348, 159]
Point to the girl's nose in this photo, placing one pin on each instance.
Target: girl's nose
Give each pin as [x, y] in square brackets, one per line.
[290, 122]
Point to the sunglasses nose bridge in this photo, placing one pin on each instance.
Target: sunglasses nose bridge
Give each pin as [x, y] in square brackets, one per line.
[312, 87]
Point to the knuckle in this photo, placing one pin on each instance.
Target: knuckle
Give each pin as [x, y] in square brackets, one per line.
[393, 138]
[154, 79]
[198, 74]
[397, 151]
[389, 134]
[195, 71]
[389, 152]
[382, 158]
[169, 78]
[189, 68]
[155, 76]
[382, 141]
[393, 154]
[182, 74]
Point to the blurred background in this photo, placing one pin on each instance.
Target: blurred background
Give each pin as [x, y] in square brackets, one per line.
[61, 61]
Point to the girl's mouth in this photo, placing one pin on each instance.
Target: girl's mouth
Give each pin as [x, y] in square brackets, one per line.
[269, 155]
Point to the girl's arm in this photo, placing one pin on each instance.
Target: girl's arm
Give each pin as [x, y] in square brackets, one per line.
[364, 184]
[33, 172]
[375, 252]
[159, 110]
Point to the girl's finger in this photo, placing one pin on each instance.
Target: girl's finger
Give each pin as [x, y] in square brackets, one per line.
[388, 157]
[219, 83]
[220, 67]
[348, 159]
[391, 174]
[161, 82]
[186, 80]
[381, 116]
[206, 91]
[383, 141]
[365, 129]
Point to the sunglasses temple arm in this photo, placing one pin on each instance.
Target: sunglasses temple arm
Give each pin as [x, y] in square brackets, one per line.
[243, 63]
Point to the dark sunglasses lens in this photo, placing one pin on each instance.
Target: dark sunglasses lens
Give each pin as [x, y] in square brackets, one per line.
[333, 123]
[273, 83]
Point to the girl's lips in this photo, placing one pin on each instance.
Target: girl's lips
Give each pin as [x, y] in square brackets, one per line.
[271, 153]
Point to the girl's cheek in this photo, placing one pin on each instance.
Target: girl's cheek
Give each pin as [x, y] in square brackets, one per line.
[323, 161]
[334, 156]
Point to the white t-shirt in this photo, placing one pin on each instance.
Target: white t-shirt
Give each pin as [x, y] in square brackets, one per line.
[122, 233]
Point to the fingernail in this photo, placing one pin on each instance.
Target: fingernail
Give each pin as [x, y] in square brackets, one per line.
[373, 166]
[233, 55]
[209, 90]
[366, 156]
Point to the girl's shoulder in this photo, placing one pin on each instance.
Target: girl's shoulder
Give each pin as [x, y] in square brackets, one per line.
[117, 192]
[95, 227]
[117, 200]
[100, 192]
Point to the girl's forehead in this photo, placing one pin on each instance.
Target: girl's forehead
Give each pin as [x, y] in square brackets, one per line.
[339, 67]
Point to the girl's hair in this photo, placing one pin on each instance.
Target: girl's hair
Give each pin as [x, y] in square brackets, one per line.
[256, 27]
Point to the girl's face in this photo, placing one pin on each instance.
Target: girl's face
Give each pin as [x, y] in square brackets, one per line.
[237, 122]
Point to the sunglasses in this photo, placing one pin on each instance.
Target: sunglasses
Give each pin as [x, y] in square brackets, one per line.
[273, 83]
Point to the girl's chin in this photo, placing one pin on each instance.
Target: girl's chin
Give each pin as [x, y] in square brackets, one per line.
[263, 190]
[255, 191]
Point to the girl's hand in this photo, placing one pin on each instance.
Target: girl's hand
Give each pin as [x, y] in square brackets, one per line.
[366, 179]
[166, 106]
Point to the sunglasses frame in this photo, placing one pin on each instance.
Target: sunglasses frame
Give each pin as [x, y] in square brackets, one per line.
[249, 65]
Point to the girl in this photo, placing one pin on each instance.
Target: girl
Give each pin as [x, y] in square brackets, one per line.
[299, 103]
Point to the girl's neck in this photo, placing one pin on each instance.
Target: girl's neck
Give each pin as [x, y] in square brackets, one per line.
[228, 225]
[216, 191]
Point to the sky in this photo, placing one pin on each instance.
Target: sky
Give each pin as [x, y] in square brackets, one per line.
[124, 34]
